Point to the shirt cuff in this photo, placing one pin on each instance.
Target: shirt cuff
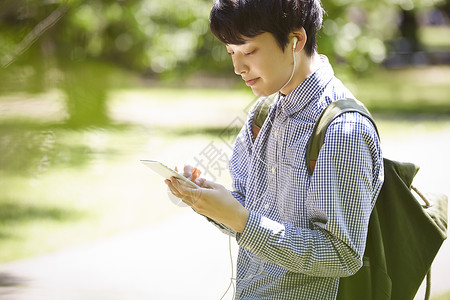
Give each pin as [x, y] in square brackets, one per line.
[238, 196]
[257, 232]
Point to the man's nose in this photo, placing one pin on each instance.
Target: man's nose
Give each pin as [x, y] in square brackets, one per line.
[240, 67]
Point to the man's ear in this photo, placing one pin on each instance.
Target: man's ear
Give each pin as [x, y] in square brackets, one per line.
[301, 36]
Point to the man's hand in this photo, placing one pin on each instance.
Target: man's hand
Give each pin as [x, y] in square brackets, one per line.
[210, 199]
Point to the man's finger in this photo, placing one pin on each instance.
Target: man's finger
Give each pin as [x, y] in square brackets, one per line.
[188, 194]
[197, 172]
[188, 171]
[200, 182]
[172, 188]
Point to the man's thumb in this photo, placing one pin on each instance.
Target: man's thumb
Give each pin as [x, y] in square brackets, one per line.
[207, 183]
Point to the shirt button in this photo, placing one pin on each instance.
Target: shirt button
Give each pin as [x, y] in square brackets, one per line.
[266, 207]
[273, 170]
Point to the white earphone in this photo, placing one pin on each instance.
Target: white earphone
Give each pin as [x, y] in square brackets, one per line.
[293, 69]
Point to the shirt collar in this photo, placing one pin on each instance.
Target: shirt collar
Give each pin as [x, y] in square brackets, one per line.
[308, 89]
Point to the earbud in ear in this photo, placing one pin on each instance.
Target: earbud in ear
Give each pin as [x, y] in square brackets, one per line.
[295, 43]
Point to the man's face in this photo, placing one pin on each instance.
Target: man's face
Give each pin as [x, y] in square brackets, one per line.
[262, 64]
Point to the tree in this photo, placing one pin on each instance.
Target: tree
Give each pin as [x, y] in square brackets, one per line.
[72, 44]
[69, 44]
[359, 32]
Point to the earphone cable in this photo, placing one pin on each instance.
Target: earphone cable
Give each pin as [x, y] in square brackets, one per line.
[260, 263]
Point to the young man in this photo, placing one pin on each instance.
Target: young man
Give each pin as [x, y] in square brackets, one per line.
[297, 233]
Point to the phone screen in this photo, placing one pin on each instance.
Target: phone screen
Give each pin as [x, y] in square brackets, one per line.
[165, 171]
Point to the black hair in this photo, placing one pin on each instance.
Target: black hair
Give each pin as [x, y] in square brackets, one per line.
[232, 21]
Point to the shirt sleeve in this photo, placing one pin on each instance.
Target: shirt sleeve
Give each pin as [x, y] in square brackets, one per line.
[346, 181]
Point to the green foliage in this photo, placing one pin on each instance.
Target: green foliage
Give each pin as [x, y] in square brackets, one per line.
[61, 43]
[356, 32]
[64, 44]
[159, 37]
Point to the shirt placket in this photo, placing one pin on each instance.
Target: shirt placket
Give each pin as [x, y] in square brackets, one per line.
[275, 160]
[261, 150]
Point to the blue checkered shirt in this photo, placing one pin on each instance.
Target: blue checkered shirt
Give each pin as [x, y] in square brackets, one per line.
[304, 232]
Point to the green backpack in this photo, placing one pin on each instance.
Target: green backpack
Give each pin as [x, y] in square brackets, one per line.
[403, 237]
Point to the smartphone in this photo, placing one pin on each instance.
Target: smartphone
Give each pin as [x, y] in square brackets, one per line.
[166, 172]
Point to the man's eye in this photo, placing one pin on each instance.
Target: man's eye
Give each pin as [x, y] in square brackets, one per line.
[250, 53]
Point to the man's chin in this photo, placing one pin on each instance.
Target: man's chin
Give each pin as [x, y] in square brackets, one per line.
[259, 93]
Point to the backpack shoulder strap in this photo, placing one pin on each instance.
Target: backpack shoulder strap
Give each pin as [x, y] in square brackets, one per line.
[261, 112]
[331, 112]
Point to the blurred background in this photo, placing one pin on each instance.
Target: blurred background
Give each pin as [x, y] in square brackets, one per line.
[87, 88]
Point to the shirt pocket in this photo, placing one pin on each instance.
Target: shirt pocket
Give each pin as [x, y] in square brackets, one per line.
[294, 155]
[293, 186]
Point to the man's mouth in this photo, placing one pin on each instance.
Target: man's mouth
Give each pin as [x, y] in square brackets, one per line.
[251, 82]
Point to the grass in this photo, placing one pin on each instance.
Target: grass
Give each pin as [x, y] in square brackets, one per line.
[409, 91]
[81, 185]
[445, 296]
[61, 186]
[435, 38]
[55, 188]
